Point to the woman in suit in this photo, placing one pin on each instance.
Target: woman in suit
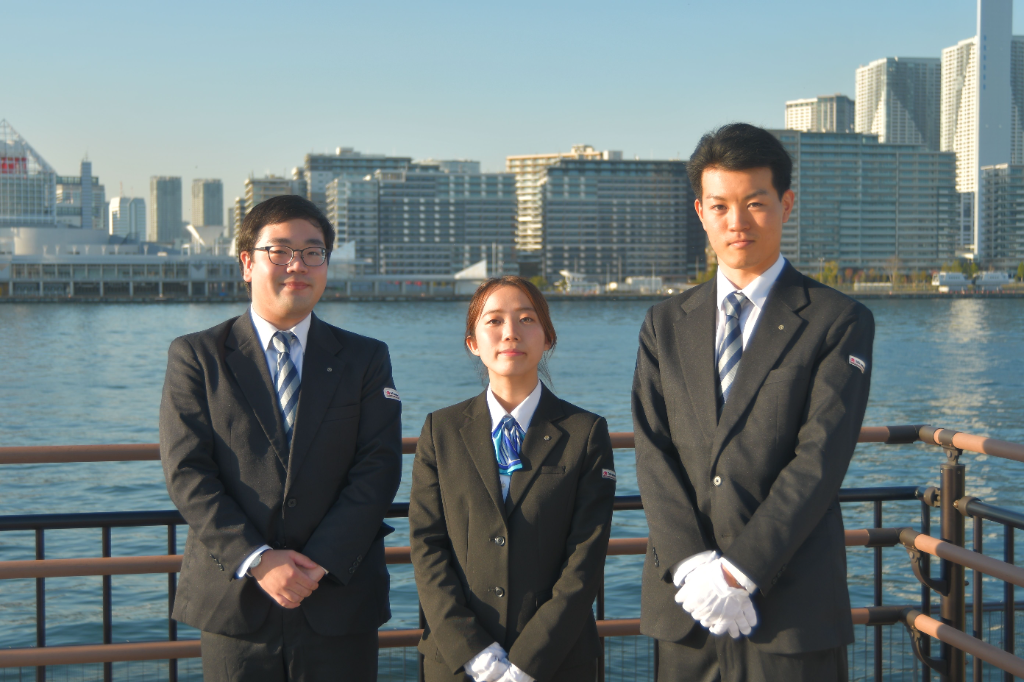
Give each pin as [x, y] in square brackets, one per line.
[510, 511]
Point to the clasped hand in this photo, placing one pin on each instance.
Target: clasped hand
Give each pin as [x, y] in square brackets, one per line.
[707, 596]
[287, 576]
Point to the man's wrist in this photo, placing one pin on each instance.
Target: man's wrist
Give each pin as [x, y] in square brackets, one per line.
[245, 566]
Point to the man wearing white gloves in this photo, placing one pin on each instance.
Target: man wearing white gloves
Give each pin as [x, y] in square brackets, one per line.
[748, 398]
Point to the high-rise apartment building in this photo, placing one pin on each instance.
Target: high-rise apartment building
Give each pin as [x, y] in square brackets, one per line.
[861, 203]
[531, 171]
[207, 203]
[898, 100]
[611, 219]
[982, 81]
[238, 212]
[258, 190]
[28, 185]
[1002, 216]
[426, 221]
[825, 114]
[165, 209]
[320, 169]
[128, 218]
[81, 200]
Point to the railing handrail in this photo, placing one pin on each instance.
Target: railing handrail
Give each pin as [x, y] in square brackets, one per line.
[168, 517]
[171, 563]
[892, 435]
[963, 557]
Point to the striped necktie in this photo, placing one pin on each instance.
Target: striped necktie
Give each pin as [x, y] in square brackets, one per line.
[287, 383]
[732, 343]
[508, 444]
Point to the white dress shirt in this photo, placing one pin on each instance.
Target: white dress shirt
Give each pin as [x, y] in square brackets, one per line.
[522, 413]
[756, 292]
[297, 348]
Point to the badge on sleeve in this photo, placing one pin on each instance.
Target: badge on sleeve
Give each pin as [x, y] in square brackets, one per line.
[608, 473]
[391, 394]
[858, 363]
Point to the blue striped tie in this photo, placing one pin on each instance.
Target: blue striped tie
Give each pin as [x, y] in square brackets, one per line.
[287, 383]
[509, 442]
[732, 343]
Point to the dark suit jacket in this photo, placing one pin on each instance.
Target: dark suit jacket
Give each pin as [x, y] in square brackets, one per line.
[524, 578]
[781, 449]
[230, 473]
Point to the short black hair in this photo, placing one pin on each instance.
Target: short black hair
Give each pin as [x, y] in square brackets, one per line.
[740, 146]
[280, 210]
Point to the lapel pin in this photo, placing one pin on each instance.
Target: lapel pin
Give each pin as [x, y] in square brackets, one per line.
[547, 437]
[781, 327]
[330, 369]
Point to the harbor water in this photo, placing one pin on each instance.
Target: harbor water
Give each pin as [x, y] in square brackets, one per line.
[92, 374]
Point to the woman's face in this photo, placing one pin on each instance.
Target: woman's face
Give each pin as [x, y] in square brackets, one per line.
[508, 337]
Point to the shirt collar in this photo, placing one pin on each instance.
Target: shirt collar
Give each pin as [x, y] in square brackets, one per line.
[266, 331]
[757, 291]
[522, 413]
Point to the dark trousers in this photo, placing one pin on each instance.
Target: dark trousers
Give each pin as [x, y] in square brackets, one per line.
[702, 657]
[286, 649]
[438, 671]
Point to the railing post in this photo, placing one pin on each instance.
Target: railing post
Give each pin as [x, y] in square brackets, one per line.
[419, 657]
[600, 616]
[978, 610]
[40, 604]
[1009, 605]
[108, 668]
[172, 587]
[926, 593]
[878, 595]
[952, 606]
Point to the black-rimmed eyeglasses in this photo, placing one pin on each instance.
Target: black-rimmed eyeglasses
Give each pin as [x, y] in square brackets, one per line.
[283, 255]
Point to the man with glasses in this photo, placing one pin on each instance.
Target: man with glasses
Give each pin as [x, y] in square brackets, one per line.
[280, 437]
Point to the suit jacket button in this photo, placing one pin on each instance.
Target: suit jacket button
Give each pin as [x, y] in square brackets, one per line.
[292, 502]
[498, 591]
[717, 480]
[352, 570]
[499, 541]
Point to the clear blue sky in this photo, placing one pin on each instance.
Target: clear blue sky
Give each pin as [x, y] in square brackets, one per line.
[206, 89]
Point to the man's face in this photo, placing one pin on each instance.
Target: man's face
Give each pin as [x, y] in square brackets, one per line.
[284, 294]
[743, 216]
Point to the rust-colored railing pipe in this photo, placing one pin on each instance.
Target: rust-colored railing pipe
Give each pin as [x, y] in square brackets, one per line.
[171, 563]
[893, 435]
[915, 620]
[910, 538]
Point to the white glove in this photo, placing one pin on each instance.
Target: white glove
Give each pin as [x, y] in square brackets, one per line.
[515, 674]
[683, 568]
[490, 665]
[709, 599]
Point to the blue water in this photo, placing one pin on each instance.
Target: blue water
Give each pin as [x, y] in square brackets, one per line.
[81, 374]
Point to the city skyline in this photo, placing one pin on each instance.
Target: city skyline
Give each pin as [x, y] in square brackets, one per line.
[647, 102]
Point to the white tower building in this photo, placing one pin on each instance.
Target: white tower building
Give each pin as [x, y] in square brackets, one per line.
[976, 104]
[128, 217]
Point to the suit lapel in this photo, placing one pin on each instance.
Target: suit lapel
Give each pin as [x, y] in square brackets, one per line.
[248, 363]
[777, 326]
[476, 436]
[321, 372]
[541, 438]
[696, 350]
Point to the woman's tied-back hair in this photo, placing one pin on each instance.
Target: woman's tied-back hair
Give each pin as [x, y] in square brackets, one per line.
[740, 146]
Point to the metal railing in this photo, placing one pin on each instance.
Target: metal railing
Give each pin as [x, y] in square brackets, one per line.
[949, 629]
